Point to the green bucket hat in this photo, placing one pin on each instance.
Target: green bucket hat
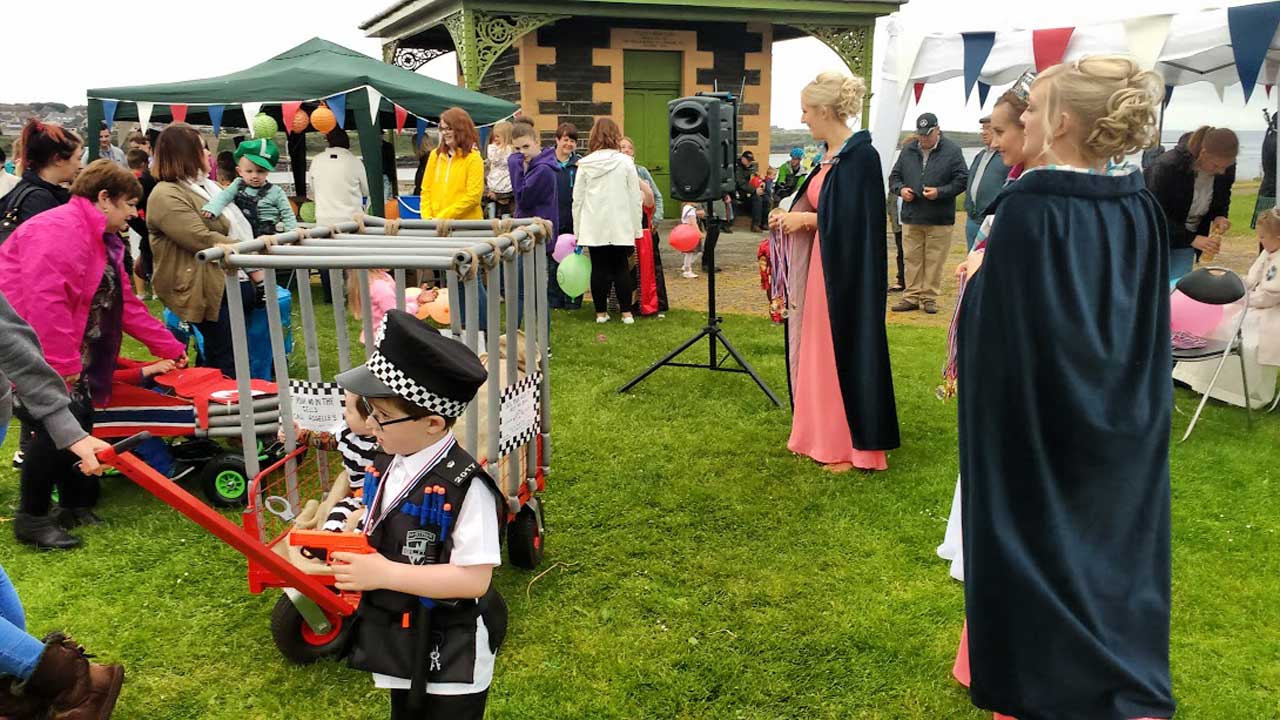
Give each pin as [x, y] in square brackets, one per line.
[262, 152]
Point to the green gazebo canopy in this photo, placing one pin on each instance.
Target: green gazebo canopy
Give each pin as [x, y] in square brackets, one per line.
[312, 71]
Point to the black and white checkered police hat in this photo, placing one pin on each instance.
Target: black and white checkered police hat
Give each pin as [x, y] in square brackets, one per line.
[415, 362]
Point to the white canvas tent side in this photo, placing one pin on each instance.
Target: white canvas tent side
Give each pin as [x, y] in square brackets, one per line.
[1197, 49]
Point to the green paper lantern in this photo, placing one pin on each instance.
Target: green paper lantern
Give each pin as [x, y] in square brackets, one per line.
[574, 275]
[264, 126]
[307, 213]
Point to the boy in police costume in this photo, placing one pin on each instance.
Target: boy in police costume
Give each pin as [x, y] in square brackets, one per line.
[429, 622]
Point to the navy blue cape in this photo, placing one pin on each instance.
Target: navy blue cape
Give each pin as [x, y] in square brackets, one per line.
[1064, 403]
[851, 222]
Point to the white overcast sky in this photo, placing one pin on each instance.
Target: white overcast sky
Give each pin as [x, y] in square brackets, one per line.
[102, 44]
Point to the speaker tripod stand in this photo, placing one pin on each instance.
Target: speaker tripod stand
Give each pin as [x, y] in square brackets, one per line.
[711, 331]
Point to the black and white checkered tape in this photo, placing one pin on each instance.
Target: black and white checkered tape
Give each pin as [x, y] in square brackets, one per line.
[407, 388]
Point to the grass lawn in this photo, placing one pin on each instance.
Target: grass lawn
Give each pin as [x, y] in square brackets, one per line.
[695, 569]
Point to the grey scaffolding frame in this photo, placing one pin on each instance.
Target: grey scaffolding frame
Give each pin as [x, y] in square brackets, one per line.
[461, 249]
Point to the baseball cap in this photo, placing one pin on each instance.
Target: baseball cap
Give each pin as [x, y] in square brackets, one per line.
[926, 123]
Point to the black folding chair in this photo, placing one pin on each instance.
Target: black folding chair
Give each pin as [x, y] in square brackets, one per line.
[1216, 286]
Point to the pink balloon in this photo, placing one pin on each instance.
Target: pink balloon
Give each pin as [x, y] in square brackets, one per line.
[1194, 317]
[685, 237]
[565, 245]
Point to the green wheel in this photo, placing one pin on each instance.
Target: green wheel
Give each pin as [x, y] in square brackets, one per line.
[224, 481]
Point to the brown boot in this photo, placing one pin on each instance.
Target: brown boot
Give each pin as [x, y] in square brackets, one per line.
[75, 688]
[16, 704]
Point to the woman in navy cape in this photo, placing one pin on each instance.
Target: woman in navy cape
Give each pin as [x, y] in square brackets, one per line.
[1064, 402]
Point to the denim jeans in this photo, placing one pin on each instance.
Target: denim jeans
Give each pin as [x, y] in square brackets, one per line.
[1181, 261]
[19, 652]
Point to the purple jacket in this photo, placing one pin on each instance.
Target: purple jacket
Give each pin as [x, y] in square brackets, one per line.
[535, 189]
[50, 269]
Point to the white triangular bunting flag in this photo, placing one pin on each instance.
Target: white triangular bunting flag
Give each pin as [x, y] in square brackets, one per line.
[908, 49]
[1221, 91]
[144, 114]
[375, 101]
[1146, 37]
[250, 112]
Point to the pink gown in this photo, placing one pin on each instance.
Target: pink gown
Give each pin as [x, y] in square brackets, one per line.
[819, 428]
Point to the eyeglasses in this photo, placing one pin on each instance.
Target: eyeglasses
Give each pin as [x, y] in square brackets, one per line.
[381, 424]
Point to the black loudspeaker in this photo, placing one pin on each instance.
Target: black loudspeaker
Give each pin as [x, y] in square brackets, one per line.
[704, 141]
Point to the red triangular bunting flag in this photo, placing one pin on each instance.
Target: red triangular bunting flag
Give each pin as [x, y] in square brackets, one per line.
[287, 111]
[919, 91]
[179, 113]
[1049, 46]
[401, 116]
[1269, 90]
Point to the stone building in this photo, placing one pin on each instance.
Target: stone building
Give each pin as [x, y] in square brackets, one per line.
[576, 60]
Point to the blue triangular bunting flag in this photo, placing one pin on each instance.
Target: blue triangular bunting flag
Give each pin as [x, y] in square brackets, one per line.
[983, 90]
[109, 111]
[422, 130]
[338, 104]
[1168, 95]
[977, 46]
[1252, 27]
[484, 136]
[215, 117]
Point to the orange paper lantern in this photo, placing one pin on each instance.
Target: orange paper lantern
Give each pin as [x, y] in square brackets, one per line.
[323, 120]
[301, 121]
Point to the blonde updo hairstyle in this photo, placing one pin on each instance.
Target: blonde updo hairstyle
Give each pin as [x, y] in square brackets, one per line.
[1112, 99]
[839, 93]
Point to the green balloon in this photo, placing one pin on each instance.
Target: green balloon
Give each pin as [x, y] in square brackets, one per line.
[264, 126]
[307, 212]
[574, 275]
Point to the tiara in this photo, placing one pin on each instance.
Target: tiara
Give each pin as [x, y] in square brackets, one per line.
[1022, 87]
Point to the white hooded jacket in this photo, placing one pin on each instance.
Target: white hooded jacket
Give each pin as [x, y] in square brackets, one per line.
[607, 200]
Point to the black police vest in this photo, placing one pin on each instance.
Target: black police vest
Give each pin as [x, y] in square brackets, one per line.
[248, 205]
[387, 622]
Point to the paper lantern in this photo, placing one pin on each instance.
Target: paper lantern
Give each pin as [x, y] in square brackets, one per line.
[264, 126]
[565, 245]
[685, 237]
[439, 309]
[323, 120]
[574, 275]
[307, 213]
[301, 121]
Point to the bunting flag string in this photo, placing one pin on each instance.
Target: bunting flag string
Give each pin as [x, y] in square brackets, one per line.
[1251, 28]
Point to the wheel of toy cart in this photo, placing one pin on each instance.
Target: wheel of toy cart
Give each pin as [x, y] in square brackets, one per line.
[296, 640]
[524, 538]
[225, 482]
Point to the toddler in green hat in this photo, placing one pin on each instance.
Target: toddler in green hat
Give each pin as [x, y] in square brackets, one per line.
[264, 205]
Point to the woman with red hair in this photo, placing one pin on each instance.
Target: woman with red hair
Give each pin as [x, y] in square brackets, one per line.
[453, 184]
[50, 157]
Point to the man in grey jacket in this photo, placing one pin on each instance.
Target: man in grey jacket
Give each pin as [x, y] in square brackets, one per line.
[987, 176]
[44, 398]
[929, 174]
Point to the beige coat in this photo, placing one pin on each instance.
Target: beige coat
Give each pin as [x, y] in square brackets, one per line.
[191, 289]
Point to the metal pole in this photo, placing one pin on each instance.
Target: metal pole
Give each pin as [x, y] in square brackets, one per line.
[544, 335]
[493, 318]
[250, 246]
[534, 304]
[454, 286]
[514, 284]
[400, 288]
[240, 348]
[307, 313]
[339, 286]
[280, 361]
[366, 316]
[471, 288]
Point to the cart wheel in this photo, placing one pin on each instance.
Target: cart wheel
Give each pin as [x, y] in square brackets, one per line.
[296, 640]
[524, 539]
[224, 481]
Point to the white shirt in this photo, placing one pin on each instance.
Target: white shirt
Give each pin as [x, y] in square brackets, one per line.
[1201, 198]
[340, 185]
[475, 542]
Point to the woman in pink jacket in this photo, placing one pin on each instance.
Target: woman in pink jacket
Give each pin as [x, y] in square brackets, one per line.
[63, 271]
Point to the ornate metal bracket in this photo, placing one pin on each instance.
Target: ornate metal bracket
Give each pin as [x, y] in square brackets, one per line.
[482, 37]
[414, 58]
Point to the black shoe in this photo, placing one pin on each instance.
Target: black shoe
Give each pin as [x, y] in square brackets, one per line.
[43, 532]
[897, 288]
[70, 518]
[727, 229]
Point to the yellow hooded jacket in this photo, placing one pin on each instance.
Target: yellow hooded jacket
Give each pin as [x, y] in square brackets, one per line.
[453, 186]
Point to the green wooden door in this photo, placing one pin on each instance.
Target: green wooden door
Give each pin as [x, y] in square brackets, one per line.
[652, 80]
